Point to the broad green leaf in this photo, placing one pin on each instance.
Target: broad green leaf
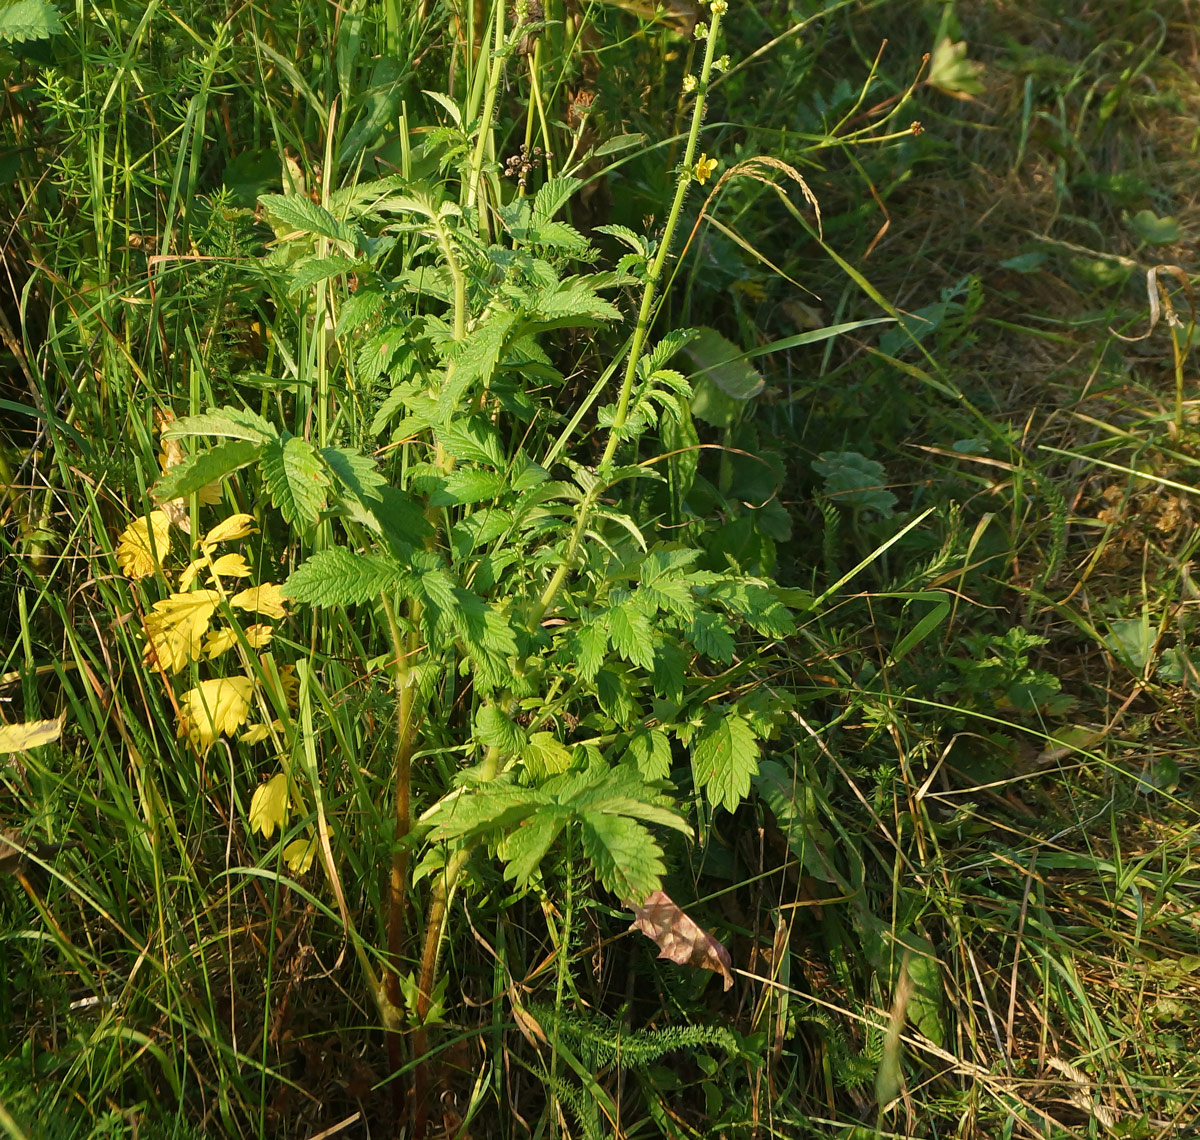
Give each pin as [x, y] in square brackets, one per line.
[313, 270]
[356, 472]
[31, 734]
[631, 634]
[650, 750]
[590, 643]
[670, 668]
[339, 577]
[468, 485]
[952, 73]
[711, 635]
[295, 478]
[724, 759]
[612, 691]
[295, 212]
[22, 21]
[205, 467]
[496, 730]
[1153, 230]
[544, 755]
[524, 848]
[472, 440]
[723, 381]
[479, 811]
[853, 480]
[624, 855]
[232, 423]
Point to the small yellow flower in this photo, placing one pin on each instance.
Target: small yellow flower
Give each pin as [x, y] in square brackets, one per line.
[689, 84]
[704, 168]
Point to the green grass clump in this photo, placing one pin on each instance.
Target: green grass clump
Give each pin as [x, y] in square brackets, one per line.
[466, 468]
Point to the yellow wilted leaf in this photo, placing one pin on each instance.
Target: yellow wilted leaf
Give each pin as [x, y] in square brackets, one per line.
[265, 599]
[269, 805]
[171, 456]
[214, 708]
[228, 565]
[255, 734]
[291, 685]
[176, 628]
[236, 526]
[134, 555]
[223, 640]
[31, 734]
[298, 855]
[259, 636]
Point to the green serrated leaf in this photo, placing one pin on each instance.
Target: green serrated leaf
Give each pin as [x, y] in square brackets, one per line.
[473, 440]
[631, 634]
[544, 755]
[339, 577]
[295, 479]
[356, 472]
[479, 812]
[591, 642]
[467, 485]
[650, 750]
[293, 212]
[313, 270]
[525, 846]
[233, 423]
[22, 21]
[724, 759]
[711, 635]
[624, 855]
[205, 467]
[496, 730]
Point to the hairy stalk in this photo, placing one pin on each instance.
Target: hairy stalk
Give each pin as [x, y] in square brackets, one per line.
[435, 924]
[645, 318]
[397, 928]
[495, 74]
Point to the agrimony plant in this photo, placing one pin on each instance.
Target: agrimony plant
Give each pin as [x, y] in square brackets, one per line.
[538, 616]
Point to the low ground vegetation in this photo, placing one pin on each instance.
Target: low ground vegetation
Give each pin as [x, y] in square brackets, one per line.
[546, 593]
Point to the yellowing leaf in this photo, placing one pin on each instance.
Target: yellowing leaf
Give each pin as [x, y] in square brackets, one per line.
[231, 566]
[176, 628]
[215, 708]
[269, 805]
[257, 733]
[223, 640]
[298, 855]
[31, 734]
[228, 566]
[134, 554]
[171, 456]
[236, 526]
[259, 635]
[265, 599]
[291, 686]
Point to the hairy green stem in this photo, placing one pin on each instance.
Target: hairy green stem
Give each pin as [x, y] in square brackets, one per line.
[646, 313]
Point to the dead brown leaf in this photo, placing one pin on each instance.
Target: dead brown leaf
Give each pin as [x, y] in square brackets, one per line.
[679, 939]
